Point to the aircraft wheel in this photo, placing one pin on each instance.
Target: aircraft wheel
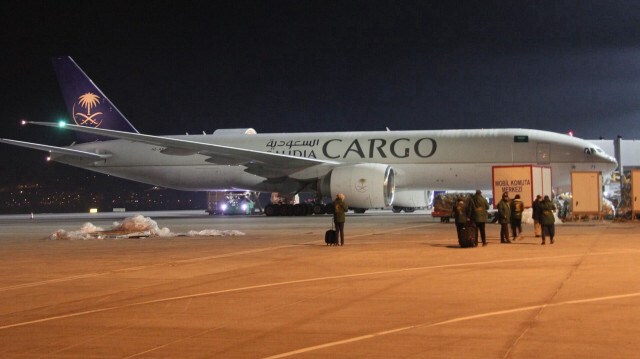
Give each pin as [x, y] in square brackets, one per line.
[409, 209]
[359, 210]
[318, 208]
[308, 209]
[298, 210]
[272, 209]
[396, 209]
[286, 210]
[329, 209]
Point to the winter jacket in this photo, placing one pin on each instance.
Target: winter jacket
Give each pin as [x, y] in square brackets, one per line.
[340, 207]
[547, 218]
[517, 206]
[504, 212]
[461, 213]
[479, 207]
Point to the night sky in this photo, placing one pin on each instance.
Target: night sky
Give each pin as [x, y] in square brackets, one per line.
[298, 66]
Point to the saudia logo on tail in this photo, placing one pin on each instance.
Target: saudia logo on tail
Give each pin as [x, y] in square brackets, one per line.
[87, 102]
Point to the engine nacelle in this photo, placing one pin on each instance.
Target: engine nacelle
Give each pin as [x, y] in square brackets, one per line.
[413, 198]
[365, 185]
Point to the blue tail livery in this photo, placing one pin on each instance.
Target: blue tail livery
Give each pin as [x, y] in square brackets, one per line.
[86, 104]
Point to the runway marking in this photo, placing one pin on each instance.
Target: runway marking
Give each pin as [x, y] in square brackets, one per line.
[131, 269]
[182, 261]
[299, 281]
[551, 299]
[450, 321]
[392, 230]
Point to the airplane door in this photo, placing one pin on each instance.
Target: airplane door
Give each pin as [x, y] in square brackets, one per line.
[543, 156]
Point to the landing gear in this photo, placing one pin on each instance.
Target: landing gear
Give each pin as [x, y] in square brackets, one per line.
[299, 210]
[272, 210]
[318, 208]
[329, 209]
[287, 205]
[398, 209]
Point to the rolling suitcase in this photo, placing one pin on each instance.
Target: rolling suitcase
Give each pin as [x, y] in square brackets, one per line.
[467, 237]
[331, 236]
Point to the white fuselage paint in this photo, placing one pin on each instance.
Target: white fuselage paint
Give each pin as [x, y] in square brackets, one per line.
[438, 160]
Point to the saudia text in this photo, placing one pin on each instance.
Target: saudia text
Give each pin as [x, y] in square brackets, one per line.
[335, 148]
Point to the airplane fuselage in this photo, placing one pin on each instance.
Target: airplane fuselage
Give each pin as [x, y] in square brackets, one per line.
[373, 169]
[441, 159]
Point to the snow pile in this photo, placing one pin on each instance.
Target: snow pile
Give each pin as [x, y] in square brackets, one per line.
[87, 231]
[214, 233]
[140, 223]
[134, 227]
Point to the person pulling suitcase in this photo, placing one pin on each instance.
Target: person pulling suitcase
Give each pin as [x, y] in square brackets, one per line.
[462, 214]
[340, 208]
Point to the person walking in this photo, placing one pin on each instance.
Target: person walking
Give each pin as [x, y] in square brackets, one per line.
[504, 217]
[517, 206]
[547, 219]
[535, 214]
[479, 216]
[340, 208]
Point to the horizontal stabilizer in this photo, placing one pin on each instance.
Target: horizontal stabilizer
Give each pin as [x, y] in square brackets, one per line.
[54, 149]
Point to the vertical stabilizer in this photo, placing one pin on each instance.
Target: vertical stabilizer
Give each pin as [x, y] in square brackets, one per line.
[87, 105]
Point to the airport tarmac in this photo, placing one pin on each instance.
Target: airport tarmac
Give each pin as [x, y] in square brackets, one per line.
[399, 288]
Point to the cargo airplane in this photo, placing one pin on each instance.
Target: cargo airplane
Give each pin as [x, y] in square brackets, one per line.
[373, 169]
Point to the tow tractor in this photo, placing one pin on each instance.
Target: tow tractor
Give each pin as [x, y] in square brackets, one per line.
[229, 203]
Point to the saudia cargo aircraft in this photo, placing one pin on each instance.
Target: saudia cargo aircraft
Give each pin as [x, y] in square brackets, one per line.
[373, 169]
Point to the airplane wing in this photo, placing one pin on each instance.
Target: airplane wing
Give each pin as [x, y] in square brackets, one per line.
[264, 164]
[54, 149]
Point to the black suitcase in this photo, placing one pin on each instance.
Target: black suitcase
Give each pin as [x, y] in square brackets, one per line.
[467, 237]
[331, 237]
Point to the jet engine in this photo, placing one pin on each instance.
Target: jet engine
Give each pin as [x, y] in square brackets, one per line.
[365, 185]
[413, 198]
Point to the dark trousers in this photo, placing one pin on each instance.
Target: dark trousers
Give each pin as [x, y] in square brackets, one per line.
[550, 230]
[480, 227]
[340, 229]
[516, 224]
[504, 232]
[459, 228]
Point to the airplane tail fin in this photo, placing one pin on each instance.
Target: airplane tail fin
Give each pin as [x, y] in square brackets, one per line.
[87, 105]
